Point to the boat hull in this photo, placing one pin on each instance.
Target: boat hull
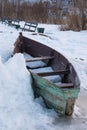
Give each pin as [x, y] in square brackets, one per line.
[62, 100]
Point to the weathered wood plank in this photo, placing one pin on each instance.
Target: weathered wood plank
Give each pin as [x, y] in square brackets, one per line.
[39, 58]
[65, 85]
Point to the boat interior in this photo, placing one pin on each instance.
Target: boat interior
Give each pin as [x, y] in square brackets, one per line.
[47, 63]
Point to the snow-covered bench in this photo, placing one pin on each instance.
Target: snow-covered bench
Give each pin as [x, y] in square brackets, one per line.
[30, 26]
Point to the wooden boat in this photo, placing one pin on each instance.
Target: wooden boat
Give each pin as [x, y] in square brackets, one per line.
[60, 96]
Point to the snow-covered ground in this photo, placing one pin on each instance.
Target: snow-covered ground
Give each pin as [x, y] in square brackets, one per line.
[18, 108]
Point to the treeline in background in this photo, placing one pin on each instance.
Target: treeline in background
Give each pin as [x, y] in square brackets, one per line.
[72, 16]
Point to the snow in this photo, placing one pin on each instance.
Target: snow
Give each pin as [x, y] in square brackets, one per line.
[34, 63]
[18, 108]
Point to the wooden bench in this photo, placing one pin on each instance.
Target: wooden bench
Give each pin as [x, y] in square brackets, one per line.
[29, 26]
[40, 58]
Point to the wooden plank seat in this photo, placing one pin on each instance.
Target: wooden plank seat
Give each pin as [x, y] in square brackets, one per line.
[30, 26]
[53, 73]
[65, 85]
[39, 58]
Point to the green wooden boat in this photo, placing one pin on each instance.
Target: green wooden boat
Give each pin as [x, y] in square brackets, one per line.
[60, 96]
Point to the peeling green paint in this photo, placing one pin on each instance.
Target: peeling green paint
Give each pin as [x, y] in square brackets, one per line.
[61, 100]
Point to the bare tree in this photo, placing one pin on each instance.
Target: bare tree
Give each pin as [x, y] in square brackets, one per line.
[81, 5]
[18, 8]
[56, 11]
[2, 8]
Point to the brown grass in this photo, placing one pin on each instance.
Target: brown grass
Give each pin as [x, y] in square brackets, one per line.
[74, 22]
